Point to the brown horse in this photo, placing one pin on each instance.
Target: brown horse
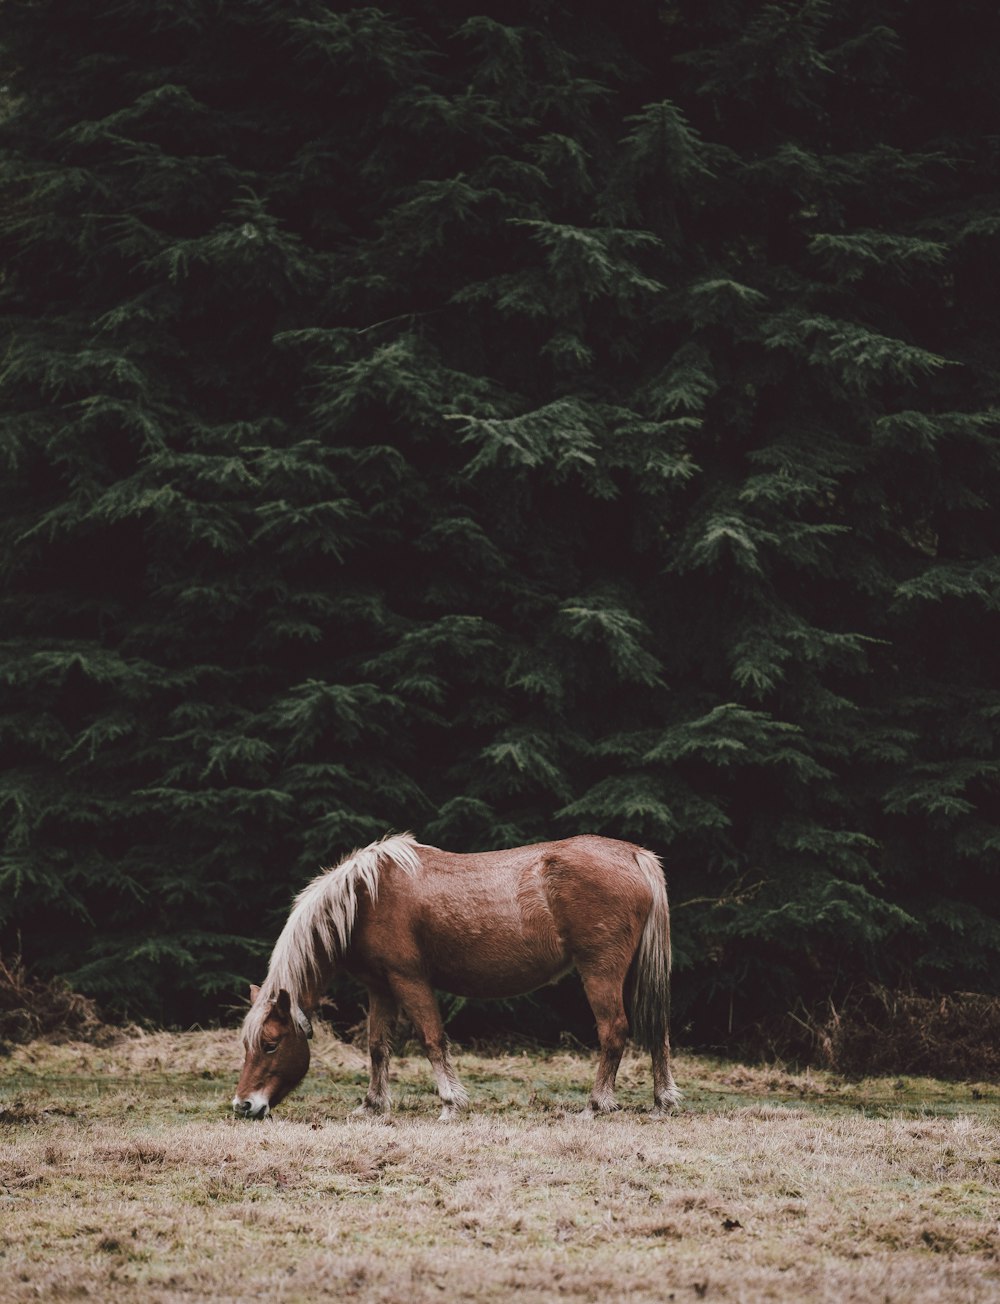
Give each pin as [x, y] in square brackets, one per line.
[405, 918]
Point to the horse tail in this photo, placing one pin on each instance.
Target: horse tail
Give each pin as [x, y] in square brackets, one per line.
[650, 986]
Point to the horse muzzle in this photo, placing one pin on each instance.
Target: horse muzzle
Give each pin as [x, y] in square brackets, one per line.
[254, 1107]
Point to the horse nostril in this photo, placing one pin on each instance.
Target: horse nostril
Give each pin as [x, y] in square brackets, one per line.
[241, 1107]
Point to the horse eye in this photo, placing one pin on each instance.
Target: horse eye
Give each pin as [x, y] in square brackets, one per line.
[269, 1047]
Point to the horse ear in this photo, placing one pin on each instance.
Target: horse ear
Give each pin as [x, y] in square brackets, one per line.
[283, 1004]
[254, 993]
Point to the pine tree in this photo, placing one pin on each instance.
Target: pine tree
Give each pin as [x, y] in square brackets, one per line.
[502, 425]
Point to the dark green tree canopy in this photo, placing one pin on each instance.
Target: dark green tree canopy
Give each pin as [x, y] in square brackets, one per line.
[501, 424]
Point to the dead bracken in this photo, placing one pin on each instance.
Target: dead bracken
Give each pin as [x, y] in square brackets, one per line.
[32, 1007]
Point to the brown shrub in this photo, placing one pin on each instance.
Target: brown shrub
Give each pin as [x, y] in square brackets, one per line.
[33, 1007]
[878, 1031]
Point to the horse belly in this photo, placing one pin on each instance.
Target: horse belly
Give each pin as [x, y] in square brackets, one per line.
[495, 971]
[493, 944]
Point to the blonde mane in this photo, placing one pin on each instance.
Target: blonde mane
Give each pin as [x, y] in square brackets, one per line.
[319, 926]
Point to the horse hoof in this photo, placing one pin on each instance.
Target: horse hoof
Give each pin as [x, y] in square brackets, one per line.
[592, 1109]
[668, 1105]
[374, 1115]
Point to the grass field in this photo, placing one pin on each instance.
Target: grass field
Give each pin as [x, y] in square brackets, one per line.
[122, 1177]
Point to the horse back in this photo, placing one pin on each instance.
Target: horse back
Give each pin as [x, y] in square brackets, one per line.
[504, 922]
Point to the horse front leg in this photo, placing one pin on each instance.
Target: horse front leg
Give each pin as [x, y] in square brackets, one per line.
[382, 1014]
[420, 1006]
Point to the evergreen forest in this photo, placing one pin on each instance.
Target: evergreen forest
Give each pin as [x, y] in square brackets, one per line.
[502, 421]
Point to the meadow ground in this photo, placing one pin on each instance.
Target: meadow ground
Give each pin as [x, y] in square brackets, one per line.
[122, 1177]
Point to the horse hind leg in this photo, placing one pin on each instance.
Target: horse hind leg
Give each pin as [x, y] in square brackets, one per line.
[666, 1094]
[421, 1008]
[382, 1015]
[606, 999]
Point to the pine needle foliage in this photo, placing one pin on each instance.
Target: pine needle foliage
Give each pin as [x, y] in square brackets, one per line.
[502, 424]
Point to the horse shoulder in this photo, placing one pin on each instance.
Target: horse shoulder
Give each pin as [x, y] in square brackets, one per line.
[385, 928]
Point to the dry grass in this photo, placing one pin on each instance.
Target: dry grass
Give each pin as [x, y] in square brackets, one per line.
[123, 1178]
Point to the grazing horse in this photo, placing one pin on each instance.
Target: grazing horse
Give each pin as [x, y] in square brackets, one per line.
[405, 918]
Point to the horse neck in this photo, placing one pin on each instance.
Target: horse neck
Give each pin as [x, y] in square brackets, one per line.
[301, 964]
[320, 927]
[318, 978]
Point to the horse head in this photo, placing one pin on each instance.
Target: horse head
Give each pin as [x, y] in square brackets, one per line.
[277, 1055]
